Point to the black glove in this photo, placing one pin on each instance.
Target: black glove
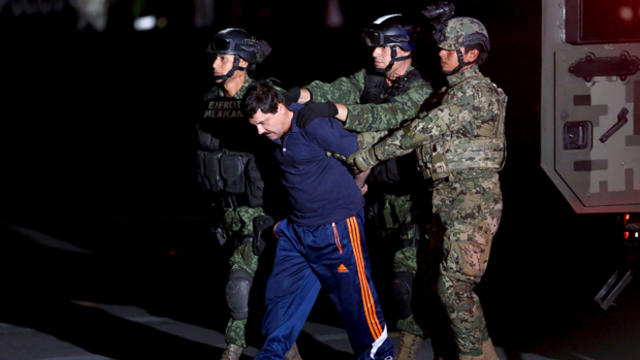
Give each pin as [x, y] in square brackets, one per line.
[313, 110]
[292, 95]
[262, 233]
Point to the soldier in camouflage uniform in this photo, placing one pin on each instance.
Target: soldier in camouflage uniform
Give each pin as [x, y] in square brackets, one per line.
[379, 101]
[460, 145]
[232, 173]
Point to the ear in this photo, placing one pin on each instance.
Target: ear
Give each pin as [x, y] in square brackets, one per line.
[242, 62]
[471, 55]
[402, 52]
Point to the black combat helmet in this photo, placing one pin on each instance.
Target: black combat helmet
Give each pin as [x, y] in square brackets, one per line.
[239, 42]
[235, 41]
[390, 30]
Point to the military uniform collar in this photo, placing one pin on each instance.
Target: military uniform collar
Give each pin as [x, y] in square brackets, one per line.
[240, 92]
[243, 88]
[460, 76]
[403, 76]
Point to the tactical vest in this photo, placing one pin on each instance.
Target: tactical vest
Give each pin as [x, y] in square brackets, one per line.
[486, 150]
[227, 144]
[389, 173]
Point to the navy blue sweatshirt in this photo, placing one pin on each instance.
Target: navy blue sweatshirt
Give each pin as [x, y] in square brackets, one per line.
[320, 188]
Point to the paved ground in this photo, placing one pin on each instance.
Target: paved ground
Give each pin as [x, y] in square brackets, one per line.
[61, 301]
[599, 337]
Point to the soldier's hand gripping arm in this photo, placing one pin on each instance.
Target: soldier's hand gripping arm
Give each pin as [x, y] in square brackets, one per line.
[262, 232]
[360, 160]
[457, 113]
[367, 139]
[291, 96]
[363, 160]
[418, 132]
[313, 110]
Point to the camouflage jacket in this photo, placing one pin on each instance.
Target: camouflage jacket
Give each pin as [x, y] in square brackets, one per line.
[245, 85]
[466, 131]
[371, 117]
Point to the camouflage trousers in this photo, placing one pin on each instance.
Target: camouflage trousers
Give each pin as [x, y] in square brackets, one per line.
[239, 223]
[468, 209]
[397, 213]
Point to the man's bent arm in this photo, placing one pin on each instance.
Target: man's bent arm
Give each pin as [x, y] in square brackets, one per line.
[344, 90]
[385, 116]
[329, 134]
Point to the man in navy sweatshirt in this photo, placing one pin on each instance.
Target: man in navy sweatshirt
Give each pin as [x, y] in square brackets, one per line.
[321, 243]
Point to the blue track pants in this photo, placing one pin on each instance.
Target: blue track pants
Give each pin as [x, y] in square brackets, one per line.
[333, 256]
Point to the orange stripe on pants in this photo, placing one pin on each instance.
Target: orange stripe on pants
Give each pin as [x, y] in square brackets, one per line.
[367, 298]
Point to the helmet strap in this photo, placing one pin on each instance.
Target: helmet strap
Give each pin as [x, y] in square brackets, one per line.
[394, 58]
[229, 74]
[461, 63]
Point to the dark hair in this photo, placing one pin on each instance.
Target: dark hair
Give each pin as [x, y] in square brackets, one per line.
[482, 53]
[261, 95]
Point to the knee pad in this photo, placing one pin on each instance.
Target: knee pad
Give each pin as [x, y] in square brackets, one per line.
[237, 293]
[402, 291]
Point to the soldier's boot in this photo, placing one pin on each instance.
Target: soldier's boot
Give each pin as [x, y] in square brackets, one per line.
[293, 353]
[409, 345]
[232, 352]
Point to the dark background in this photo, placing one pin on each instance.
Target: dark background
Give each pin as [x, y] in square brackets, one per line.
[96, 147]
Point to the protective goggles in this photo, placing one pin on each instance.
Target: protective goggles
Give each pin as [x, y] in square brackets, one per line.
[377, 38]
[220, 45]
